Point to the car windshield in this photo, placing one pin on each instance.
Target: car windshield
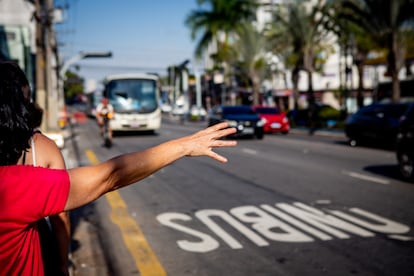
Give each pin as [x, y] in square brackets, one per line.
[396, 111]
[267, 110]
[235, 110]
[392, 110]
[133, 95]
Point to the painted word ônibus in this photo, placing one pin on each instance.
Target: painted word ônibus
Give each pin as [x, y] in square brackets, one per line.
[282, 222]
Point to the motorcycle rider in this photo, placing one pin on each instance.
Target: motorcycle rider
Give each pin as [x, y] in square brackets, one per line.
[104, 109]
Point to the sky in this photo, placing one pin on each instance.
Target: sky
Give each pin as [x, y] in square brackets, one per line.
[143, 35]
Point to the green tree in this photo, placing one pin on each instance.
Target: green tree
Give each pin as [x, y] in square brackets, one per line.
[297, 33]
[251, 47]
[216, 17]
[387, 21]
[355, 41]
[73, 85]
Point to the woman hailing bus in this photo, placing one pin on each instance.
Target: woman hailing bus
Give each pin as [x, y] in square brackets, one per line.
[29, 193]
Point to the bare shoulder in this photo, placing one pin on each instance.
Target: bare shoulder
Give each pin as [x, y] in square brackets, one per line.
[42, 140]
[48, 153]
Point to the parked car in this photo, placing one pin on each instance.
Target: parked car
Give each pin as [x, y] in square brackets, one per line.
[166, 108]
[242, 117]
[325, 116]
[375, 124]
[405, 145]
[197, 113]
[275, 121]
[179, 110]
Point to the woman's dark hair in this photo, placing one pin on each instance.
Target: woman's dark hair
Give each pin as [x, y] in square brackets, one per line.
[16, 118]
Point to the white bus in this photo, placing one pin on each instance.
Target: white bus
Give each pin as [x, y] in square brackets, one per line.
[135, 98]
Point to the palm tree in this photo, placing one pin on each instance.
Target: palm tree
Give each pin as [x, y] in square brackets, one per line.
[297, 33]
[221, 17]
[251, 46]
[287, 39]
[353, 40]
[216, 22]
[387, 21]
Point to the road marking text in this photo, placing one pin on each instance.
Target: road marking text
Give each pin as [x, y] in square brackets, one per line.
[297, 222]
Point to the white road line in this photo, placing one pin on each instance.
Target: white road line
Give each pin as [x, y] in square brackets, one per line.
[323, 201]
[401, 238]
[367, 177]
[249, 151]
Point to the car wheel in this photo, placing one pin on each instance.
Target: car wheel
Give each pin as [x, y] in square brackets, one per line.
[353, 142]
[260, 135]
[406, 166]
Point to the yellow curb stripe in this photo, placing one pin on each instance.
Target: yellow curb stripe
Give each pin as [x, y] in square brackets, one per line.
[145, 259]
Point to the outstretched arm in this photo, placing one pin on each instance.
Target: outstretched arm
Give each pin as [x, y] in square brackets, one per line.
[89, 183]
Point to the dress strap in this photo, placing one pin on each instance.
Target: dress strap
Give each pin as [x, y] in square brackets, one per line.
[33, 151]
[24, 157]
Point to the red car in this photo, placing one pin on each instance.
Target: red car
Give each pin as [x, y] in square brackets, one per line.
[275, 120]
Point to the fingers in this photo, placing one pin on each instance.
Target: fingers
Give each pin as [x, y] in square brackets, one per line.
[227, 131]
[222, 131]
[217, 127]
[223, 143]
[210, 138]
[218, 157]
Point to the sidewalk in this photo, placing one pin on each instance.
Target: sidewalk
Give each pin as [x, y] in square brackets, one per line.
[87, 257]
[319, 132]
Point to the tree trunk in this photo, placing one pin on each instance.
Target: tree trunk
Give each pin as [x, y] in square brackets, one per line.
[295, 81]
[408, 71]
[311, 96]
[256, 88]
[360, 95]
[312, 108]
[393, 68]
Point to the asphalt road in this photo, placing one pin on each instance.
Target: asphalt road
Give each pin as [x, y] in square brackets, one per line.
[285, 205]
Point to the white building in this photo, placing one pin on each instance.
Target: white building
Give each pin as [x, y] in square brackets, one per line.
[17, 34]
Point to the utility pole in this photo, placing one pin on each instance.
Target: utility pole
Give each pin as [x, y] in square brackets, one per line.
[52, 97]
[46, 75]
[46, 93]
[40, 58]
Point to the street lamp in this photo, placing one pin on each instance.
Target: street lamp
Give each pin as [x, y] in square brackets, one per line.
[57, 96]
[80, 56]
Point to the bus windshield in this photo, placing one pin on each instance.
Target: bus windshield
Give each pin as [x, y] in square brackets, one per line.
[133, 95]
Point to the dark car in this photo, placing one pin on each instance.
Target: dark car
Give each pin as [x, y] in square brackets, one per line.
[375, 124]
[242, 117]
[405, 145]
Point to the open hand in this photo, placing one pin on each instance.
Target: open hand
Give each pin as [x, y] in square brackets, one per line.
[203, 142]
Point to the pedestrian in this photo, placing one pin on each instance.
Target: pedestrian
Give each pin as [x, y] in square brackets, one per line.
[29, 193]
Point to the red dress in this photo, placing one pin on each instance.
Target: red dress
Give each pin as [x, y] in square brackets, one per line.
[27, 194]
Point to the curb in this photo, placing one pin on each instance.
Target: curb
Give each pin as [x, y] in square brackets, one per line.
[88, 259]
[319, 132]
[86, 255]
